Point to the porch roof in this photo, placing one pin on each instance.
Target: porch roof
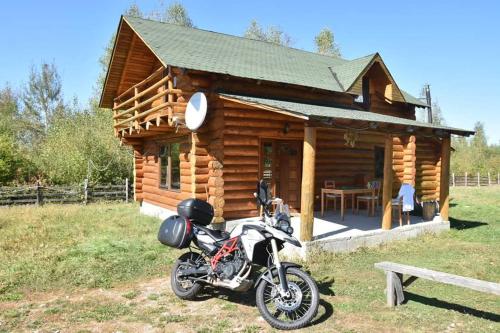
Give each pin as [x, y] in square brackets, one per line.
[312, 111]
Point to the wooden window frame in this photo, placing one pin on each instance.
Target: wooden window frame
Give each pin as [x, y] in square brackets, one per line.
[168, 185]
[262, 142]
[365, 94]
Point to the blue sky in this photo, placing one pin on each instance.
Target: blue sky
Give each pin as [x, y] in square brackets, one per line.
[456, 48]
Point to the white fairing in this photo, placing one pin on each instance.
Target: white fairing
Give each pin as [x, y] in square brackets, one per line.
[250, 237]
[202, 237]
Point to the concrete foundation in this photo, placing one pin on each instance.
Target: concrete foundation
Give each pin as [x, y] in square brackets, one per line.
[355, 231]
[155, 211]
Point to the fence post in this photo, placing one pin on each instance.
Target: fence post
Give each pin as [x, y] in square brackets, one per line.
[126, 189]
[85, 190]
[478, 180]
[39, 195]
[489, 179]
[453, 179]
[498, 178]
[466, 179]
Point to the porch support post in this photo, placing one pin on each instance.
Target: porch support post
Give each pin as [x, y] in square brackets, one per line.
[387, 187]
[307, 190]
[444, 199]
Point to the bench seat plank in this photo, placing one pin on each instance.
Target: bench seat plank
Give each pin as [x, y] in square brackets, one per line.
[475, 284]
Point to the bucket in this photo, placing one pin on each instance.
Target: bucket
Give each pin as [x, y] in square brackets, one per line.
[428, 210]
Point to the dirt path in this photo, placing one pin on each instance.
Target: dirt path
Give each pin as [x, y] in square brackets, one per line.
[148, 306]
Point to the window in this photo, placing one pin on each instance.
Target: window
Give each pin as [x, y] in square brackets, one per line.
[379, 162]
[364, 99]
[170, 166]
[267, 162]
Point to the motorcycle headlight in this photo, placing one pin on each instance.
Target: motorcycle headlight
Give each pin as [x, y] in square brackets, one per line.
[284, 226]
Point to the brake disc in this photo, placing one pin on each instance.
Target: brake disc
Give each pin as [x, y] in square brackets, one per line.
[288, 303]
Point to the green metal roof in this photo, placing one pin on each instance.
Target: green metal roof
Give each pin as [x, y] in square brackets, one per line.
[312, 111]
[247, 58]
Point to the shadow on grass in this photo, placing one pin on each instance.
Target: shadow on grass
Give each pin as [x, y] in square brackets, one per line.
[243, 298]
[451, 306]
[463, 225]
[248, 299]
[324, 286]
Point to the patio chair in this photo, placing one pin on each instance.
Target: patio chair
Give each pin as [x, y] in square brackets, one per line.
[375, 185]
[331, 196]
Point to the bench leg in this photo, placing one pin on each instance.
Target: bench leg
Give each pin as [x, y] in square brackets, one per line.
[395, 295]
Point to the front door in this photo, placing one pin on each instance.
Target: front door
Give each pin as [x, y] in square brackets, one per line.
[281, 164]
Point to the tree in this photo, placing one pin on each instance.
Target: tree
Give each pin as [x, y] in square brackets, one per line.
[175, 13]
[13, 162]
[9, 159]
[272, 34]
[134, 10]
[437, 114]
[83, 145]
[9, 112]
[325, 43]
[43, 101]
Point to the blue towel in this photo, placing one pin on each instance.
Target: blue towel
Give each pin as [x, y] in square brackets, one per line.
[406, 192]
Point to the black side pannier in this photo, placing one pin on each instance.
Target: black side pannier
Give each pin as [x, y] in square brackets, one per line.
[198, 211]
[176, 232]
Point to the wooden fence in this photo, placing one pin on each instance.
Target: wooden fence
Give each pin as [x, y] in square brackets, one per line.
[470, 179]
[38, 195]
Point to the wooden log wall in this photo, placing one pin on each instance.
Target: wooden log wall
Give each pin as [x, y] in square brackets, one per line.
[208, 168]
[346, 165]
[152, 192]
[379, 105]
[398, 167]
[404, 161]
[138, 172]
[428, 168]
[244, 127]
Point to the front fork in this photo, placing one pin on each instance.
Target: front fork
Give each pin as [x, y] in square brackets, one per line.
[281, 271]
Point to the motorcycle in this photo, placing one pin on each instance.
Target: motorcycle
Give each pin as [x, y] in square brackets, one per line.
[286, 296]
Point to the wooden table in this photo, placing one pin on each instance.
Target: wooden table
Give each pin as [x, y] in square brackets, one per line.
[343, 192]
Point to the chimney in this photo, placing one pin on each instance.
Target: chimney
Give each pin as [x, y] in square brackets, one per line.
[427, 89]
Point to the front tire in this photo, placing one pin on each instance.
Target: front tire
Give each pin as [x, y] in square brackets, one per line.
[182, 287]
[289, 313]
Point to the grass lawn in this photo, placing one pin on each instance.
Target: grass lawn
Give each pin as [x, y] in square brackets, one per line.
[100, 268]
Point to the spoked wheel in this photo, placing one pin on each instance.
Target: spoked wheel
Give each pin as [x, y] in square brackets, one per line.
[182, 286]
[293, 311]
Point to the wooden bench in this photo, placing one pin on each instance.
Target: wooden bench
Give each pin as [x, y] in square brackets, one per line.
[394, 274]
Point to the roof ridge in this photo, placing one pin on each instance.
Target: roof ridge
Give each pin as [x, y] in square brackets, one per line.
[249, 39]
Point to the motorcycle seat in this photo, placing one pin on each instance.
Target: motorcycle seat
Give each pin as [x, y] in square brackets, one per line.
[216, 235]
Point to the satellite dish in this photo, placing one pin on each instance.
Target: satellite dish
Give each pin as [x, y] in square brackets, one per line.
[196, 111]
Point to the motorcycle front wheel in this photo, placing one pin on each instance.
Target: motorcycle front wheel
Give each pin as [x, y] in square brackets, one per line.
[292, 312]
[183, 287]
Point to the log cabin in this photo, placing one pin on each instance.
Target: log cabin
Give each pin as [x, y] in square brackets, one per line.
[291, 117]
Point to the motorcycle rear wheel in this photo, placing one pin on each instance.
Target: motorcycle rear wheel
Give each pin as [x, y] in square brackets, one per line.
[289, 313]
[183, 287]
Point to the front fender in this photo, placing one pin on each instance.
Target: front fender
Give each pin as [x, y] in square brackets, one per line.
[271, 272]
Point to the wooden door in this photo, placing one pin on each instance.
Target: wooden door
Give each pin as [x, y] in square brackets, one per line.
[281, 166]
